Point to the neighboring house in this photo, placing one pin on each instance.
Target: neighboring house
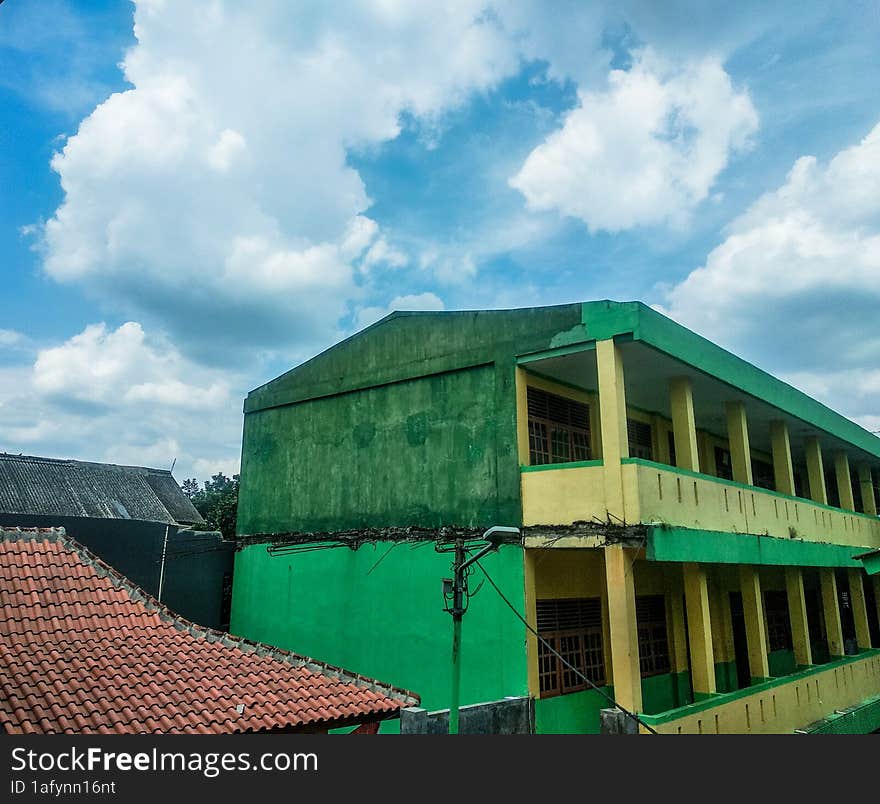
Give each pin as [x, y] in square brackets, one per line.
[84, 650]
[137, 519]
[691, 525]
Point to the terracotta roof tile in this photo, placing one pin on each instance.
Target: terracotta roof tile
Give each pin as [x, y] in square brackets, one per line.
[84, 650]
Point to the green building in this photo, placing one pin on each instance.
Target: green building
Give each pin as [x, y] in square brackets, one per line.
[692, 528]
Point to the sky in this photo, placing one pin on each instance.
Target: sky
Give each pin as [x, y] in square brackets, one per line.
[195, 197]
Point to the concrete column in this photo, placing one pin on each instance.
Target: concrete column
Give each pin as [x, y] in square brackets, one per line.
[683, 426]
[844, 481]
[738, 435]
[699, 628]
[672, 579]
[831, 612]
[783, 470]
[756, 631]
[875, 579]
[612, 418]
[797, 615]
[815, 470]
[859, 608]
[522, 416]
[868, 502]
[624, 633]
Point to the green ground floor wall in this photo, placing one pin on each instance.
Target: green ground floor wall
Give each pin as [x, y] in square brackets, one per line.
[378, 611]
[575, 713]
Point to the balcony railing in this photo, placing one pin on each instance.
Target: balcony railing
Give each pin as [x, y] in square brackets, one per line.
[778, 705]
[657, 493]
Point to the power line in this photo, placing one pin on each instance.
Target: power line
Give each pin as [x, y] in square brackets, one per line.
[561, 658]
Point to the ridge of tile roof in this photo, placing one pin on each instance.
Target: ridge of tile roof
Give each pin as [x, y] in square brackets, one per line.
[86, 650]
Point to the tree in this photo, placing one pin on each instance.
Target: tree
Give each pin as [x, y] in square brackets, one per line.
[217, 502]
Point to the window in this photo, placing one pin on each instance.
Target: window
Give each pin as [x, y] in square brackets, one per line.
[559, 429]
[800, 482]
[723, 463]
[762, 474]
[778, 624]
[671, 440]
[574, 629]
[639, 437]
[653, 641]
[858, 502]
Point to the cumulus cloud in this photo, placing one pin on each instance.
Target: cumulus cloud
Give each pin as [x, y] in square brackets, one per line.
[647, 150]
[802, 267]
[215, 196]
[119, 395]
[420, 301]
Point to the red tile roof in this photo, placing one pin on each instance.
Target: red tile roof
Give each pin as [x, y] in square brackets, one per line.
[84, 650]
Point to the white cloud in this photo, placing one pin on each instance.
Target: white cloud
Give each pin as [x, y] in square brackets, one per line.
[797, 280]
[120, 395]
[645, 151]
[9, 337]
[421, 301]
[215, 197]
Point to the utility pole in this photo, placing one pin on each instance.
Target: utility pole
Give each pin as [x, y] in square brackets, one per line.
[455, 588]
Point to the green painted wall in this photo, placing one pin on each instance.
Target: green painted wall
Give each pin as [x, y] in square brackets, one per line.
[575, 713]
[667, 691]
[421, 452]
[379, 613]
[725, 677]
[781, 663]
[411, 422]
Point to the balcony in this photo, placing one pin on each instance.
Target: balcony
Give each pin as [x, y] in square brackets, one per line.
[783, 705]
[655, 493]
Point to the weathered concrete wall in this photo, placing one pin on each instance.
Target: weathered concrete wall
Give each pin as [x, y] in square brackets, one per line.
[412, 422]
[509, 716]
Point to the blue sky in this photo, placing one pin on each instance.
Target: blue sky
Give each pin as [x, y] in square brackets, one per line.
[194, 197]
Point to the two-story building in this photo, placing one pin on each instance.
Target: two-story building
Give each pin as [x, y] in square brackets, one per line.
[693, 529]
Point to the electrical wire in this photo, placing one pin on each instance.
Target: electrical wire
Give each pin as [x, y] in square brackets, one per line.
[561, 658]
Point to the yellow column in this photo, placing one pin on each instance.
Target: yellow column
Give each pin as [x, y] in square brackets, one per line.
[675, 596]
[859, 608]
[831, 611]
[624, 633]
[612, 416]
[699, 627]
[756, 631]
[738, 435]
[783, 470]
[815, 470]
[875, 579]
[522, 416]
[869, 504]
[844, 481]
[797, 614]
[683, 426]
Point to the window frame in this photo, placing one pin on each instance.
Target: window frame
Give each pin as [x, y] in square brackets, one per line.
[543, 430]
[591, 647]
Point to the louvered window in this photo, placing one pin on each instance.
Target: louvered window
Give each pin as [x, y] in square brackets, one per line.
[559, 429]
[573, 628]
[653, 638]
[639, 437]
[778, 623]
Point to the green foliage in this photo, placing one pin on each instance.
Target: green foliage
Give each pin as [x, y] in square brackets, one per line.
[217, 502]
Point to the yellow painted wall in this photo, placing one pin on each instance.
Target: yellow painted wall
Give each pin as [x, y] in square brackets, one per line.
[782, 709]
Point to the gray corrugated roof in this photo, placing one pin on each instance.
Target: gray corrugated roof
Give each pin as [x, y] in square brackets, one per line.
[32, 485]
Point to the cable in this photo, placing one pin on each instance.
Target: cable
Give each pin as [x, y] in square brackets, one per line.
[561, 658]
